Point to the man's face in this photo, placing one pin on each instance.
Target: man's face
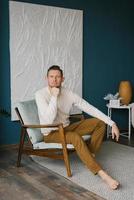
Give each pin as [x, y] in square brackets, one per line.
[55, 78]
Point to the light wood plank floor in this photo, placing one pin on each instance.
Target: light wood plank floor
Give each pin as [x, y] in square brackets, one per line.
[33, 182]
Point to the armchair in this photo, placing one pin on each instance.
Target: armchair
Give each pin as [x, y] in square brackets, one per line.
[28, 116]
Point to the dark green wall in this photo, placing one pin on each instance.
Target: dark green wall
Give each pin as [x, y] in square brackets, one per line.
[108, 52]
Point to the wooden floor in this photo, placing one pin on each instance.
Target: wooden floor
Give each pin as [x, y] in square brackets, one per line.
[33, 182]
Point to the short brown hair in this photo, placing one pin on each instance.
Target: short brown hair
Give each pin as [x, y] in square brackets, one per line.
[55, 67]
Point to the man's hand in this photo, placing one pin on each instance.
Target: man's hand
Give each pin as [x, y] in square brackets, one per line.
[55, 91]
[115, 132]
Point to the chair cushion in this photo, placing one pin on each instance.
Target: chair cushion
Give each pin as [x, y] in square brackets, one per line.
[29, 114]
[43, 145]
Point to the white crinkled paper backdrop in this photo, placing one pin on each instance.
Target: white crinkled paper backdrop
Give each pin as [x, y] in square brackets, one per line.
[41, 36]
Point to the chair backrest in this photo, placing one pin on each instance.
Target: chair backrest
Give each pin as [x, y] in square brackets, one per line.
[29, 114]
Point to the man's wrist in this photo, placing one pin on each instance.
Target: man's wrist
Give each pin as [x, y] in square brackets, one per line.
[114, 124]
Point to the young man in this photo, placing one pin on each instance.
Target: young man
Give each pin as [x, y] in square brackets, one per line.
[54, 104]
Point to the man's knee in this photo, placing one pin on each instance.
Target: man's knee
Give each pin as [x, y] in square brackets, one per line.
[97, 122]
[102, 127]
[102, 124]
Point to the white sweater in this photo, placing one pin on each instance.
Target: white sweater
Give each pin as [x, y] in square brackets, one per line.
[53, 110]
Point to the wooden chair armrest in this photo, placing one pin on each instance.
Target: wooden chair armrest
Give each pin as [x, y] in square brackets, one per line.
[59, 126]
[41, 125]
[77, 116]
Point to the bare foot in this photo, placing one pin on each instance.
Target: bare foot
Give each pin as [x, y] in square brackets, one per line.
[113, 184]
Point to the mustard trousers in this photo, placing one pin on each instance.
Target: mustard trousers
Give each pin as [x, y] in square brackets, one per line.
[73, 133]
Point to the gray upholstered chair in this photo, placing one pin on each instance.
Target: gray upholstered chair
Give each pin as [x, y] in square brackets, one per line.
[28, 116]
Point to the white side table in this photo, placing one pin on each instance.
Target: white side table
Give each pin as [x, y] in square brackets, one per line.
[129, 107]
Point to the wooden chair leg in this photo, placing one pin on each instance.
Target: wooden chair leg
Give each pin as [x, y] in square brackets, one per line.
[22, 138]
[66, 160]
[65, 152]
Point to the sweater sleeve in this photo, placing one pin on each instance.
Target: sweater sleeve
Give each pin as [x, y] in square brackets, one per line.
[47, 110]
[91, 110]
